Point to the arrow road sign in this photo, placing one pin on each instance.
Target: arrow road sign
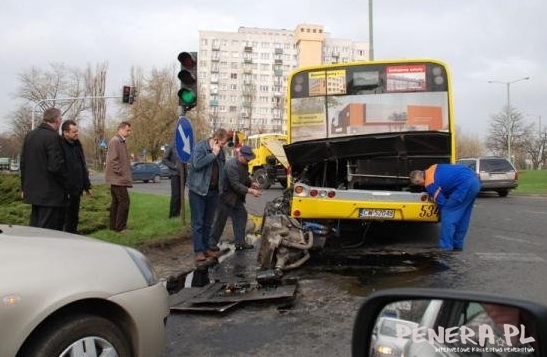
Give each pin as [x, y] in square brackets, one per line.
[184, 139]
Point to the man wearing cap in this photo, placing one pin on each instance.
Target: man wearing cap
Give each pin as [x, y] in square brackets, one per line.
[236, 184]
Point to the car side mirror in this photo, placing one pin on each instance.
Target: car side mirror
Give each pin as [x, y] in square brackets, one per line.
[435, 322]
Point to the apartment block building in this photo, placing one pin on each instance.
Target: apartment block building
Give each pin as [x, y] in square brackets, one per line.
[242, 75]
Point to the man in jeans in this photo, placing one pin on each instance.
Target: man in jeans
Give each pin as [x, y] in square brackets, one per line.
[205, 171]
[118, 175]
[235, 186]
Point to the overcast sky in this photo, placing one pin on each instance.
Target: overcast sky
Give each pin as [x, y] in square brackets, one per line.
[481, 40]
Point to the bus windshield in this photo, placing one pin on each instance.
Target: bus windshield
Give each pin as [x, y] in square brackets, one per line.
[369, 98]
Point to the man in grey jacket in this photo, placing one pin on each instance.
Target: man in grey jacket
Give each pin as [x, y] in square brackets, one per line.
[235, 186]
[118, 175]
[205, 171]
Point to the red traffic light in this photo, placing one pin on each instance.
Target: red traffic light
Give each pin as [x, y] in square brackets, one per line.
[187, 60]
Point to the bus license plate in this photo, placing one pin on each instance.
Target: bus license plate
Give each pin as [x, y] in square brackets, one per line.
[376, 213]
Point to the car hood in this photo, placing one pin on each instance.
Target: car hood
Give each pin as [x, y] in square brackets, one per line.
[33, 258]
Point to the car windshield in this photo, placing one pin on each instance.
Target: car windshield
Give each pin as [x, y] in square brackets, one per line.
[496, 165]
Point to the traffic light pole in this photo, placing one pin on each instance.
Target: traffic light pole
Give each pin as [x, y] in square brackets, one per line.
[66, 99]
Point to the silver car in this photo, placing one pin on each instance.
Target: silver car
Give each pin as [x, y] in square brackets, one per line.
[67, 295]
[495, 173]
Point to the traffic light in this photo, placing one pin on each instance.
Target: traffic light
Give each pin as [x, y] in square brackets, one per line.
[126, 96]
[188, 92]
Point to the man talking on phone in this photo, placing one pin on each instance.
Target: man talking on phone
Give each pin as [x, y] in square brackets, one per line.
[205, 170]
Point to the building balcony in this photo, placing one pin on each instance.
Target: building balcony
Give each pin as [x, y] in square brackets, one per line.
[278, 51]
[215, 58]
[213, 102]
[278, 62]
[247, 60]
[248, 49]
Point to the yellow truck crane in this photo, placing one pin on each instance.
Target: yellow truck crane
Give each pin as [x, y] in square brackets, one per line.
[270, 165]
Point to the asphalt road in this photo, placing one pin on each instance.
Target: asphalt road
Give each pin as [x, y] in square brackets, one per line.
[505, 253]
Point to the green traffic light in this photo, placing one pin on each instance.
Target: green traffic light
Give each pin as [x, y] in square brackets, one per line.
[187, 97]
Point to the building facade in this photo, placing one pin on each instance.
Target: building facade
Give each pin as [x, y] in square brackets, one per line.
[242, 76]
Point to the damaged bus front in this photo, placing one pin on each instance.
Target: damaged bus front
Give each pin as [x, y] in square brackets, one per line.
[356, 131]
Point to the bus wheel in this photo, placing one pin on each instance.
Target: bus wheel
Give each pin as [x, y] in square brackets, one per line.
[261, 178]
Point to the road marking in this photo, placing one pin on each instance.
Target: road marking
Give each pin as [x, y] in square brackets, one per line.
[514, 257]
[518, 240]
[536, 212]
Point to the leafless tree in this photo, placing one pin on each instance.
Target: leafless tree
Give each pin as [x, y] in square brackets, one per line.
[154, 112]
[20, 124]
[507, 130]
[40, 87]
[95, 85]
[533, 146]
[469, 145]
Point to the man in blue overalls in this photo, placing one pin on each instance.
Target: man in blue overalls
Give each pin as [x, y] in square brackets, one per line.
[454, 189]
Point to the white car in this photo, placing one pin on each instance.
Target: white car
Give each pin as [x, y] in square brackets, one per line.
[384, 338]
[66, 295]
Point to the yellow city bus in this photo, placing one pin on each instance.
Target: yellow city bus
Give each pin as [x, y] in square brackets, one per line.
[356, 131]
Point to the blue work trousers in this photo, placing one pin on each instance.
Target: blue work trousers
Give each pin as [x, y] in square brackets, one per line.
[455, 218]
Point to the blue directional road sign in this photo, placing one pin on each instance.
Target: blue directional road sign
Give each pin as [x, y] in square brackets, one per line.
[184, 139]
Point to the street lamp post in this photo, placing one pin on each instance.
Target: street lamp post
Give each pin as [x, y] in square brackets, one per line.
[509, 119]
[370, 33]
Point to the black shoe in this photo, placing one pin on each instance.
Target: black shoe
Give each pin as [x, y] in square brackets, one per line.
[458, 249]
[241, 246]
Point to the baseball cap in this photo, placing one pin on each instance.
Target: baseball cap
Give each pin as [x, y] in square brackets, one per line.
[247, 152]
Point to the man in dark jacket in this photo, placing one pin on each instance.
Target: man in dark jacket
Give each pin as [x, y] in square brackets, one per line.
[78, 176]
[176, 168]
[235, 185]
[43, 173]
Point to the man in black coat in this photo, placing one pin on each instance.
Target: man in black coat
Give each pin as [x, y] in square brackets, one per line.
[176, 168]
[77, 174]
[43, 173]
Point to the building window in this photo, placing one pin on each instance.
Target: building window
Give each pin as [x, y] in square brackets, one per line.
[264, 88]
[233, 109]
[233, 75]
[233, 86]
[204, 41]
[235, 54]
[264, 56]
[223, 43]
[235, 65]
